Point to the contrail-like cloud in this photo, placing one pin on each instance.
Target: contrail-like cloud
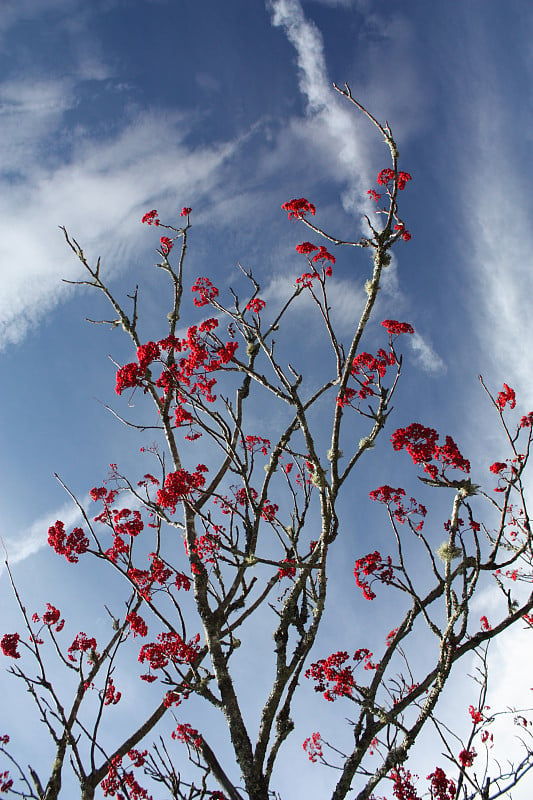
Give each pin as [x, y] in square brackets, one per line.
[334, 115]
[34, 538]
[343, 135]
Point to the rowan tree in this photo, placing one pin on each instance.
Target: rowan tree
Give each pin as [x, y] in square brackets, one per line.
[233, 524]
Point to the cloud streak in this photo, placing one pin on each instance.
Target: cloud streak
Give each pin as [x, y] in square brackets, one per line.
[495, 213]
[336, 126]
[102, 187]
[340, 131]
[425, 356]
[34, 538]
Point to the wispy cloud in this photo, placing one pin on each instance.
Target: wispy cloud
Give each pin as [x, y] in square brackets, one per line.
[102, 187]
[307, 41]
[425, 356]
[499, 261]
[30, 112]
[341, 130]
[18, 96]
[34, 538]
[393, 303]
[348, 135]
[343, 297]
[496, 211]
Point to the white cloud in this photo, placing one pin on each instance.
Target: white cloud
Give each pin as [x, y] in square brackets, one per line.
[30, 111]
[307, 41]
[425, 356]
[18, 96]
[343, 297]
[333, 123]
[340, 124]
[499, 259]
[496, 211]
[392, 303]
[102, 187]
[34, 538]
[402, 100]
[104, 184]
[509, 686]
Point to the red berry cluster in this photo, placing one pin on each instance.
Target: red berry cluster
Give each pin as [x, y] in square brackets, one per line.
[298, 208]
[118, 779]
[70, 546]
[179, 485]
[400, 512]
[82, 643]
[387, 176]
[313, 747]
[137, 624]
[188, 735]
[9, 645]
[506, 396]
[379, 568]
[421, 444]
[395, 328]
[442, 788]
[170, 647]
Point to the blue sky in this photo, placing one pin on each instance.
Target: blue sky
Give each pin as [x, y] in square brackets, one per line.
[111, 108]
